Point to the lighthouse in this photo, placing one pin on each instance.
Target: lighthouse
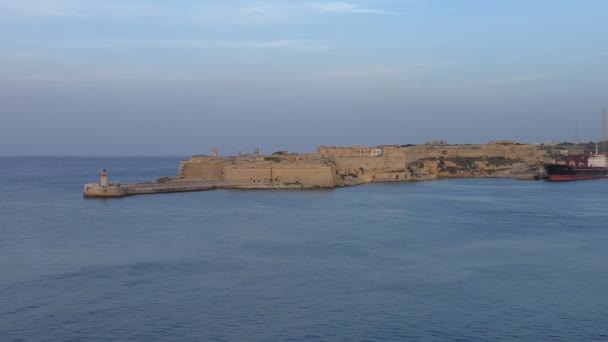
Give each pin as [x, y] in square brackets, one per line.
[104, 178]
[104, 189]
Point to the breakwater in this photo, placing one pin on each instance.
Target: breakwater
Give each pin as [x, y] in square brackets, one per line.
[113, 190]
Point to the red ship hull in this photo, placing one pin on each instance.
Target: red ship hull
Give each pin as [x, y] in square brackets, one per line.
[573, 177]
[579, 167]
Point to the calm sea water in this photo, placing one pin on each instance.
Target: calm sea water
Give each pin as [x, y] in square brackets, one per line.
[479, 259]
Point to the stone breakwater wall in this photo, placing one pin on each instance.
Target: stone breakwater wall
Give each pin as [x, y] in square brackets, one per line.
[95, 190]
[130, 189]
[100, 191]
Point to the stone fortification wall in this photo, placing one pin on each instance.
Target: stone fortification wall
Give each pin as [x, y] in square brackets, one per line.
[527, 153]
[309, 175]
[359, 164]
[248, 172]
[338, 166]
[369, 169]
[348, 152]
[204, 168]
[307, 172]
[294, 157]
[332, 165]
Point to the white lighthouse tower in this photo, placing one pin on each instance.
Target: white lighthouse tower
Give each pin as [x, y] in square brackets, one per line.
[103, 189]
[104, 178]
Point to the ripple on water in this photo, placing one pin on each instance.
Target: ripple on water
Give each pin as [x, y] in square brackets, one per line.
[484, 259]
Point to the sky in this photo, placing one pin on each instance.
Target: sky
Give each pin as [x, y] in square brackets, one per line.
[151, 77]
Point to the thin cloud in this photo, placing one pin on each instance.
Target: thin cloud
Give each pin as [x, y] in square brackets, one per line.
[360, 72]
[45, 8]
[192, 13]
[102, 74]
[346, 7]
[272, 12]
[298, 45]
[303, 45]
[507, 80]
[260, 8]
[18, 55]
[381, 71]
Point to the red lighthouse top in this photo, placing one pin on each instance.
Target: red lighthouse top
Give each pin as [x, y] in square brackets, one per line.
[104, 172]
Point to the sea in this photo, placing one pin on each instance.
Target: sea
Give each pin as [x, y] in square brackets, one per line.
[447, 260]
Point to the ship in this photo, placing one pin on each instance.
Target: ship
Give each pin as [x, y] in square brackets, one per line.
[578, 167]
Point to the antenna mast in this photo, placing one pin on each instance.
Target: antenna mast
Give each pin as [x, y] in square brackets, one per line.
[576, 134]
[604, 142]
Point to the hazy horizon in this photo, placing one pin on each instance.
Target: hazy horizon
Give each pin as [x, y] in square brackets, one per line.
[249, 151]
[127, 78]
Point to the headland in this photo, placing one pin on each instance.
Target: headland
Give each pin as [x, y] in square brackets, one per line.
[335, 166]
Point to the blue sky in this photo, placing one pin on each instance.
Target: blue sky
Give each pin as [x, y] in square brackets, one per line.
[179, 77]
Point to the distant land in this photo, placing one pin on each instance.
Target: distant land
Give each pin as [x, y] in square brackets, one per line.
[335, 166]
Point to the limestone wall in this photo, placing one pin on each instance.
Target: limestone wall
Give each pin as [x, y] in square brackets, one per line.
[371, 168]
[294, 157]
[528, 153]
[308, 175]
[248, 173]
[332, 165]
[208, 169]
[348, 152]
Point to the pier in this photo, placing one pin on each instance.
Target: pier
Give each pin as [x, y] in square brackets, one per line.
[105, 189]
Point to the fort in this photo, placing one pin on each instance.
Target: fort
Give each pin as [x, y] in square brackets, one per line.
[336, 166]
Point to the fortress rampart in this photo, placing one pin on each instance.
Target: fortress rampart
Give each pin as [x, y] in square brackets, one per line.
[259, 170]
[333, 166]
